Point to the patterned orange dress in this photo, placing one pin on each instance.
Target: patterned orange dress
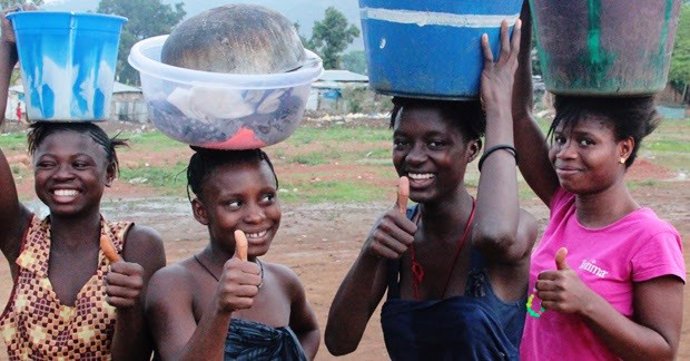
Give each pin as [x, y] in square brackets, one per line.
[36, 326]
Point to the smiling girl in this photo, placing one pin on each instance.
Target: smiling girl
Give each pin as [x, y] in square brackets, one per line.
[215, 305]
[69, 300]
[607, 276]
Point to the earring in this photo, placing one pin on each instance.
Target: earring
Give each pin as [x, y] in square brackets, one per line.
[622, 160]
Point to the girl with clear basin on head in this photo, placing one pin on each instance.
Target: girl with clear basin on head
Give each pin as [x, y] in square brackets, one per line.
[223, 302]
[607, 277]
[455, 269]
[70, 299]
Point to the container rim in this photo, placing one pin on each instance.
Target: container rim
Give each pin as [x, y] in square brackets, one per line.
[70, 13]
[309, 72]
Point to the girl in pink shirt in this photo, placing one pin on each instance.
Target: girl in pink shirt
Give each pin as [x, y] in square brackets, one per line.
[607, 278]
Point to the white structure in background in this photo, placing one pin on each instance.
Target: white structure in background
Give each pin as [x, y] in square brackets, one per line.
[326, 92]
[127, 103]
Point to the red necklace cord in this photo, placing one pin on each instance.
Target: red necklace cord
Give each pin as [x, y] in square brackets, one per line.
[418, 270]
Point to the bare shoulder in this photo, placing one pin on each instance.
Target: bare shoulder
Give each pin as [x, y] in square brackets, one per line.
[144, 245]
[286, 277]
[170, 283]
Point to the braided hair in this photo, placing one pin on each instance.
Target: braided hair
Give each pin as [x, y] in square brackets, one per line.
[205, 161]
[39, 131]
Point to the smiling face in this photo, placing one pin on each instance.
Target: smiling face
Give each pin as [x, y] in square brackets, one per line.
[586, 155]
[71, 171]
[430, 150]
[240, 196]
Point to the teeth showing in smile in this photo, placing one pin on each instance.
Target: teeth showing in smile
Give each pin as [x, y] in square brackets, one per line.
[420, 176]
[256, 235]
[65, 192]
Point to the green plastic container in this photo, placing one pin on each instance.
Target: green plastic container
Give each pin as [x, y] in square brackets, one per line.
[605, 47]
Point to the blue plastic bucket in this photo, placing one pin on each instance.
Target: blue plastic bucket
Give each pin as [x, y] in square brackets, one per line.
[68, 63]
[431, 49]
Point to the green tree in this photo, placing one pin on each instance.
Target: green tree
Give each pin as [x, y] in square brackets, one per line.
[146, 18]
[4, 4]
[331, 36]
[355, 61]
[679, 75]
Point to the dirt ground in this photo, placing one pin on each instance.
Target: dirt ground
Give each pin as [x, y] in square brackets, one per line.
[321, 241]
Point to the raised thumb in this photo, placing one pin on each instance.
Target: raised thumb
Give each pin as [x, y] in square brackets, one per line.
[403, 194]
[561, 263]
[241, 245]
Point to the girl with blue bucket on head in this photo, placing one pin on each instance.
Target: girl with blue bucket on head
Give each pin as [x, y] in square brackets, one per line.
[455, 268]
[78, 280]
[606, 279]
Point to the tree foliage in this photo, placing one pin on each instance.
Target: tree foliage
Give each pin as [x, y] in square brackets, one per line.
[331, 36]
[146, 18]
[679, 74]
[4, 4]
[355, 61]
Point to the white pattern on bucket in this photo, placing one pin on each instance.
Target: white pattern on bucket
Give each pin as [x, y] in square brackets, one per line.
[422, 18]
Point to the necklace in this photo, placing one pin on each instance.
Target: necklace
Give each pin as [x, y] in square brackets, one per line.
[418, 270]
[261, 269]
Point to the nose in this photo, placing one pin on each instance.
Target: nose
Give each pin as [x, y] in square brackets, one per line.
[417, 154]
[254, 213]
[64, 171]
[565, 150]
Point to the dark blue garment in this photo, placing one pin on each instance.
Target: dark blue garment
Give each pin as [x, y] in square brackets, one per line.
[249, 340]
[475, 326]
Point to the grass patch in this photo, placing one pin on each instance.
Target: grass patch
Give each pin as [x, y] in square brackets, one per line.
[681, 146]
[330, 191]
[151, 141]
[13, 141]
[168, 179]
[308, 135]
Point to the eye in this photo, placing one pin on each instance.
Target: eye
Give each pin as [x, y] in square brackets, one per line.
[45, 164]
[80, 165]
[585, 142]
[400, 143]
[268, 198]
[436, 144]
[559, 139]
[232, 204]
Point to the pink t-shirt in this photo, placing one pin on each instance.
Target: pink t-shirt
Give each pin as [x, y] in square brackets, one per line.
[636, 248]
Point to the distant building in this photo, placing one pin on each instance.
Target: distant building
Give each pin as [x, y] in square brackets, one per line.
[127, 103]
[327, 91]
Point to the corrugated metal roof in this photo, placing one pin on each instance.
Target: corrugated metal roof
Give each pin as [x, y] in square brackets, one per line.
[342, 76]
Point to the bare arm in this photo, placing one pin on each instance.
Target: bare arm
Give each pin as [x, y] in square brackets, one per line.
[143, 255]
[302, 318]
[654, 332]
[529, 140]
[365, 283]
[13, 215]
[496, 226]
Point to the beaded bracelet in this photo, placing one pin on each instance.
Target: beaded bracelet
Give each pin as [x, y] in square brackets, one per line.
[490, 150]
[530, 310]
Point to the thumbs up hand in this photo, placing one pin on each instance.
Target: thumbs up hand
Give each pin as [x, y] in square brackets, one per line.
[393, 233]
[239, 283]
[562, 290]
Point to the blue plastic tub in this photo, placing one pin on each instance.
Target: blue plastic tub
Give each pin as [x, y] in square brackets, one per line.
[68, 63]
[431, 49]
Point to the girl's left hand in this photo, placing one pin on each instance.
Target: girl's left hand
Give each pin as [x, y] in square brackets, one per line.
[562, 290]
[123, 284]
[498, 77]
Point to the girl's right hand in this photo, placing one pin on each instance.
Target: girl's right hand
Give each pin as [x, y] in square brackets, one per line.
[393, 233]
[238, 285]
